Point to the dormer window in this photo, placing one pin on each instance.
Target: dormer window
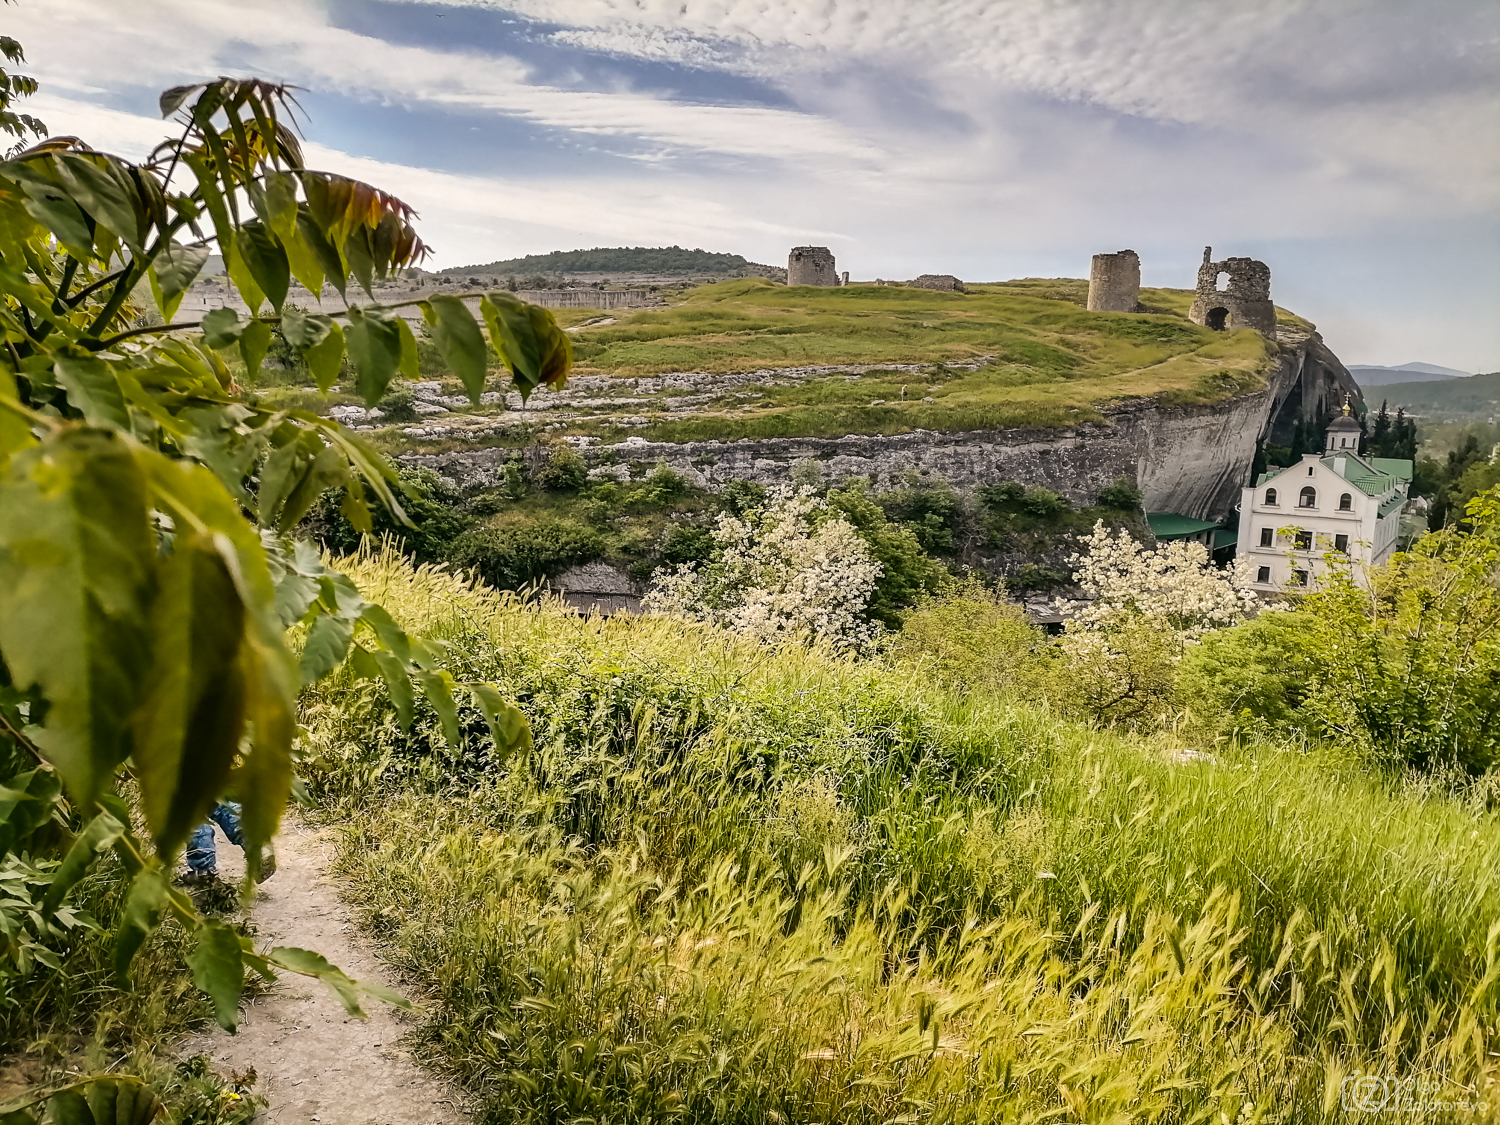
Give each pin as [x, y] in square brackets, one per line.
[1308, 498]
[1346, 503]
[1271, 497]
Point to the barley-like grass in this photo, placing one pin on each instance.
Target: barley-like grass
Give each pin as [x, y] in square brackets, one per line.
[734, 883]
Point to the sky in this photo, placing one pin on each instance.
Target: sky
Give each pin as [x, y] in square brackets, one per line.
[1353, 145]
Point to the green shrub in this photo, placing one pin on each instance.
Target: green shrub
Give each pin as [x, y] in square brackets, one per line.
[512, 556]
[564, 470]
[906, 571]
[399, 406]
[1120, 495]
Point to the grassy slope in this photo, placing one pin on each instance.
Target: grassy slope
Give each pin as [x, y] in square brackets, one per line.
[737, 885]
[1050, 363]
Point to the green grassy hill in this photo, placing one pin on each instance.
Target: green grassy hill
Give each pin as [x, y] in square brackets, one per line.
[1048, 360]
[619, 259]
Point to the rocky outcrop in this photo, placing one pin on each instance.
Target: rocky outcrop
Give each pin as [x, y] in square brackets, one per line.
[1187, 459]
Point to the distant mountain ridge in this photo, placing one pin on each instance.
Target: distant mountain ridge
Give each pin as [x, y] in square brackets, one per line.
[1475, 399]
[1376, 375]
[622, 259]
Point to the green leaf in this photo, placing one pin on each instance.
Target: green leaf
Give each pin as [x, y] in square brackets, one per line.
[50, 204]
[398, 683]
[93, 389]
[459, 341]
[167, 305]
[362, 661]
[69, 1107]
[219, 969]
[311, 964]
[171, 100]
[281, 205]
[391, 635]
[528, 341]
[177, 266]
[102, 193]
[254, 341]
[303, 330]
[266, 260]
[77, 560]
[327, 257]
[222, 328]
[375, 350]
[144, 904]
[409, 358]
[327, 645]
[329, 469]
[25, 805]
[438, 688]
[283, 470]
[100, 834]
[325, 360]
[361, 257]
[263, 778]
[508, 726]
[188, 729]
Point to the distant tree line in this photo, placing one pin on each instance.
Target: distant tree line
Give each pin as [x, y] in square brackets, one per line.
[618, 259]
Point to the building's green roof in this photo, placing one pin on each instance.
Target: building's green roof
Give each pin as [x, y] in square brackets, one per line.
[1170, 525]
[1372, 475]
[1224, 538]
[1361, 474]
[1390, 506]
[1397, 467]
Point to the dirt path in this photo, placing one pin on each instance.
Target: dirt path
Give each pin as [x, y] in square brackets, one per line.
[315, 1063]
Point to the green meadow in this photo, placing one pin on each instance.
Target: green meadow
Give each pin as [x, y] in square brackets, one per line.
[730, 883]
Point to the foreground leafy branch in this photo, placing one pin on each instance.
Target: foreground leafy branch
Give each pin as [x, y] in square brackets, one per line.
[147, 594]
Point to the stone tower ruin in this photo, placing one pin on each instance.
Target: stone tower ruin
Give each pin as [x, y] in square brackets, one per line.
[1234, 293]
[810, 265]
[1115, 282]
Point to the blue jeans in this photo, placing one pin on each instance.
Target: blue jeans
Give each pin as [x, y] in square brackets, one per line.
[200, 850]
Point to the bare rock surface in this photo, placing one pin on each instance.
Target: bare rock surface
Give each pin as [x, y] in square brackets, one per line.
[315, 1062]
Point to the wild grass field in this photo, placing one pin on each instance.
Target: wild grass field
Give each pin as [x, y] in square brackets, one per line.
[737, 883]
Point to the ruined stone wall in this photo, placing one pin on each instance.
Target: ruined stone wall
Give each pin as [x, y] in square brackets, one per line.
[590, 298]
[1245, 302]
[944, 282]
[1115, 282]
[810, 265]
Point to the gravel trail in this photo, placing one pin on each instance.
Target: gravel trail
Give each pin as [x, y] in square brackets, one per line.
[314, 1062]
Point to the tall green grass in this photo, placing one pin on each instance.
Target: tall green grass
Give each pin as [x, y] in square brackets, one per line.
[733, 883]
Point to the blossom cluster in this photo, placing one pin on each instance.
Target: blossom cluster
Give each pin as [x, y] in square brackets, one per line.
[1173, 587]
[785, 572]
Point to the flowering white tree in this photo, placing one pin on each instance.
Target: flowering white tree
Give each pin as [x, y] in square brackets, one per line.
[785, 572]
[1174, 586]
[1146, 606]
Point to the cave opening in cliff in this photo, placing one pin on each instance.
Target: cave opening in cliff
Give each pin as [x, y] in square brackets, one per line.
[1218, 319]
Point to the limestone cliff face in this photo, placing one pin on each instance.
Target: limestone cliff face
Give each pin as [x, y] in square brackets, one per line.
[1192, 460]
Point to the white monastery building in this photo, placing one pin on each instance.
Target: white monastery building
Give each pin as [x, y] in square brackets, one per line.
[1294, 520]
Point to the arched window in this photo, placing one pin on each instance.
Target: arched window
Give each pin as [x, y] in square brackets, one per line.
[1346, 502]
[1308, 498]
[1271, 497]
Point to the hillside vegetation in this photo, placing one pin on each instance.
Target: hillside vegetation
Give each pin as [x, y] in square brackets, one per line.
[738, 884]
[619, 259]
[1475, 399]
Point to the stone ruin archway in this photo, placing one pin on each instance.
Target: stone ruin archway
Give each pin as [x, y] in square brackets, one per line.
[1217, 319]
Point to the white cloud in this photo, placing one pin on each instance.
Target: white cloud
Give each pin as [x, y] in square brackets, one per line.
[989, 138]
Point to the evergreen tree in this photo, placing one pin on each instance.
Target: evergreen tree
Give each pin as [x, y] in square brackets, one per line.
[1381, 436]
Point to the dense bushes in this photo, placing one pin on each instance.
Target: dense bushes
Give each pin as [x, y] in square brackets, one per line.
[512, 556]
